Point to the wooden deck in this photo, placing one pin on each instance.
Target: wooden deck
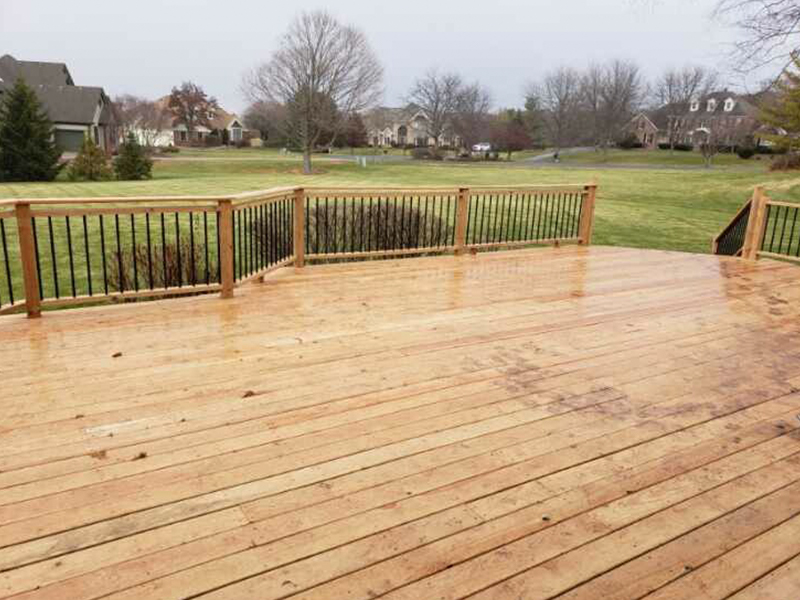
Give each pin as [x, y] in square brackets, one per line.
[572, 423]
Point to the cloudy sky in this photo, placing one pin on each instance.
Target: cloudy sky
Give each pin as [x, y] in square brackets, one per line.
[149, 46]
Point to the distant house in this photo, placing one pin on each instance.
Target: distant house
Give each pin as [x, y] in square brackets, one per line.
[224, 128]
[733, 119]
[75, 110]
[401, 127]
[644, 130]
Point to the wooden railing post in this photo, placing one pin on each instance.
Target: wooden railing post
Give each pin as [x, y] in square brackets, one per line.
[586, 225]
[299, 233]
[462, 211]
[225, 234]
[756, 225]
[27, 251]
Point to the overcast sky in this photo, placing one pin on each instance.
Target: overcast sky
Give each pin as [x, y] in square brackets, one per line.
[149, 46]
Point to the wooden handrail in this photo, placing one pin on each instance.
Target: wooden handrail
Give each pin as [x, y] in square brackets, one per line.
[250, 212]
[756, 226]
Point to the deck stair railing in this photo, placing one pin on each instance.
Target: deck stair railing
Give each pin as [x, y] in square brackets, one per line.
[59, 252]
[763, 227]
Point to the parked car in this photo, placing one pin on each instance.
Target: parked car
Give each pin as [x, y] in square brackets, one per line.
[482, 147]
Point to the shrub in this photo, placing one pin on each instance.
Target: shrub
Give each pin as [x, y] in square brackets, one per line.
[746, 152]
[420, 153]
[169, 150]
[212, 141]
[785, 162]
[91, 163]
[630, 142]
[27, 150]
[133, 164]
[175, 273]
[382, 226]
[663, 146]
[684, 147]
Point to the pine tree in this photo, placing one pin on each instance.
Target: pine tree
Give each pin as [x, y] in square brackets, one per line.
[27, 150]
[784, 113]
[90, 164]
[133, 162]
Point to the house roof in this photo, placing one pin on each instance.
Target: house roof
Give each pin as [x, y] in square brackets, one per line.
[222, 118]
[745, 105]
[72, 103]
[385, 117]
[34, 73]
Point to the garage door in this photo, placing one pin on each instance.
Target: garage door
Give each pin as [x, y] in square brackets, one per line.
[69, 141]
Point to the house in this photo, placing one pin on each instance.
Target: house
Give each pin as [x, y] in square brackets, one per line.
[402, 127]
[730, 118]
[76, 111]
[644, 130]
[223, 128]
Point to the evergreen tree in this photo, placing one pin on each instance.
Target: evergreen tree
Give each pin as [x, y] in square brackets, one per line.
[133, 162]
[91, 164]
[27, 150]
[784, 113]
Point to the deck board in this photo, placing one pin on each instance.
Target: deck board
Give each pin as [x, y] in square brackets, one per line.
[570, 423]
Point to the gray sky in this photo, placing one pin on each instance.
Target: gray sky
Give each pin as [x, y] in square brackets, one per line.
[148, 46]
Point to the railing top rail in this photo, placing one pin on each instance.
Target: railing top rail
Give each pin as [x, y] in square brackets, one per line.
[266, 194]
[772, 202]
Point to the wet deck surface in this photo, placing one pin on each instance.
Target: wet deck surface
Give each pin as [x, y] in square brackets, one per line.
[574, 423]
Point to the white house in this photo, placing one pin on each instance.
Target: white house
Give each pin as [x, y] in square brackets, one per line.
[401, 127]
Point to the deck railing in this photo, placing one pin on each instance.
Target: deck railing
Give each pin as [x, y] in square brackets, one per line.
[73, 251]
[763, 227]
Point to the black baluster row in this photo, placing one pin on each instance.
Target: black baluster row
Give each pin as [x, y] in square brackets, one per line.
[125, 250]
[782, 234]
[263, 236]
[7, 296]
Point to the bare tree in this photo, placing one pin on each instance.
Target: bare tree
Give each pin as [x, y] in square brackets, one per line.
[676, 88]
[471, 117]
[146, 119]
[771, 30]
[191, 106]
[319, 62]
[592, 84]
[437, 96]
[559, 95]
[621, 94]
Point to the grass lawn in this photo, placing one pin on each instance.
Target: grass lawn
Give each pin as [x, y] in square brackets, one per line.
[663, 158]
[646, 208]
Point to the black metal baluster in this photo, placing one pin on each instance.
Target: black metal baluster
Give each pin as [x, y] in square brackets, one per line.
[164, 249]
[178, 248]
[86, 250]
[149, 252]
[103, 254]
[774, 228]
[542, 213]
[71, 258]
[134, 253]
[205, 245]
[53, 255]
[783, 229]
[273, 233]
[219, 257]
[193, 260]
[483, 217]
[121, 275]
[529, 207]
[791, 235]
[7, 261]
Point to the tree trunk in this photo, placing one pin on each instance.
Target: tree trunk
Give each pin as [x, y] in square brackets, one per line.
[307, 161]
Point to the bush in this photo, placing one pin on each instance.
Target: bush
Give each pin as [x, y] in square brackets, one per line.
[169, 150]
[174, 274]
[663, 146]
[771, 150]
[785, 162]
[630, 142]
[91, 164]
[746, 152]
[684, 147]
[212, 141]
[426, 154]
[133, 164]
[382, 226]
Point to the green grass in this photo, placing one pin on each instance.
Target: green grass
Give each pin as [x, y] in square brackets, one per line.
[644, 208]
[663, 158]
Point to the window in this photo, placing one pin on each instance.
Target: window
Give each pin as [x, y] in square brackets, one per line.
[694, 106]
[712, 105]
[729, 104]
